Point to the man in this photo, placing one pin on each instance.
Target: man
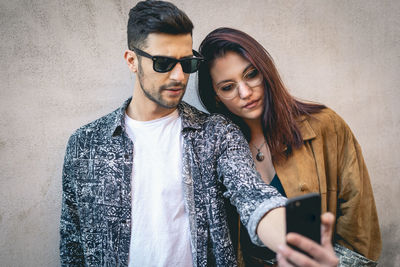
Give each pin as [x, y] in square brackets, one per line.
[148, 184]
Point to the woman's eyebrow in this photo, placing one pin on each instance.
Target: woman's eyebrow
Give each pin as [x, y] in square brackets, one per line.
[229, 80]
[247, 68]
[224, 81]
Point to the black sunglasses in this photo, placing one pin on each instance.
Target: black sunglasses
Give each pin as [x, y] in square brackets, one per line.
[164, 64]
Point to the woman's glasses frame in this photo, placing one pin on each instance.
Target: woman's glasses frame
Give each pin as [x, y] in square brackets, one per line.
[252, 78]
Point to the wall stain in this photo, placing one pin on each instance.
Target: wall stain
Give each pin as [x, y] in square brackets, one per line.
[45, 187]
[2, 144]
[25, 213]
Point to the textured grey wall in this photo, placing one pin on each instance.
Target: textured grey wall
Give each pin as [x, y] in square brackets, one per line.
[62, 66]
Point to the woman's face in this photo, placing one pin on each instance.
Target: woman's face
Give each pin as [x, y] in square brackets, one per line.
[238, 86]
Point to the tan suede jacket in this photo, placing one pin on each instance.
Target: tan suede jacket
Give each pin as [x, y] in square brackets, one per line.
[330, 162]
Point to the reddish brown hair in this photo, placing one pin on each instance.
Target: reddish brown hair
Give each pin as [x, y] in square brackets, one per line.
[280, 108]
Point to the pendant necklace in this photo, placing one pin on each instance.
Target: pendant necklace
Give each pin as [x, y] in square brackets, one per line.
[259, 155]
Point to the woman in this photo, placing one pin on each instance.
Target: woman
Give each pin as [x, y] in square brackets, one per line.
[298, 147]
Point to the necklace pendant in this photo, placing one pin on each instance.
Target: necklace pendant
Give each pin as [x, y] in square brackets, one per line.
[260, 156]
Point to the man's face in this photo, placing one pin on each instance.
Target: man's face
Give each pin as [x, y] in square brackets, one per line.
[164, 89]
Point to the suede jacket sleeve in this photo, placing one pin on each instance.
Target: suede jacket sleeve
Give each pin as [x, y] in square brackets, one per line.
[357, 225]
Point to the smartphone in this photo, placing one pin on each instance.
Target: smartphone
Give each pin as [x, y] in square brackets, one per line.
[303, 216]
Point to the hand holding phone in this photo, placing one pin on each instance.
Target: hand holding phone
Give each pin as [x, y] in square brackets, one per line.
[303, 216]
[322, 254]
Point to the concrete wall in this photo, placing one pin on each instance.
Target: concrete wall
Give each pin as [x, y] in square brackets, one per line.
[62, 66]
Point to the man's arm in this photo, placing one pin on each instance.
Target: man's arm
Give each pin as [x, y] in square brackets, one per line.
[272, 227]
[71, 252]
[259, 205]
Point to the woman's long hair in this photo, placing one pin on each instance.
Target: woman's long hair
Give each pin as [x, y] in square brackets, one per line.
[280, 108]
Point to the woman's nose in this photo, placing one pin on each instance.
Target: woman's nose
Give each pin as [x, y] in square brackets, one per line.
[244, 90]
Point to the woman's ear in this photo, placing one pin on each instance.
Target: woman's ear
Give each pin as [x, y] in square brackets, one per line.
[132, 60]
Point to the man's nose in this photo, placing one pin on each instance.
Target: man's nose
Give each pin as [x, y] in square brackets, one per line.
[177, 73]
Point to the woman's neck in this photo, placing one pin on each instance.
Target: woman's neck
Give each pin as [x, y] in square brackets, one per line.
[256, 131]
[264, 165]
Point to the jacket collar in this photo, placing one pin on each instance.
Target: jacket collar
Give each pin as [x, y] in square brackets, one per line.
[191, 117]
[307, 132]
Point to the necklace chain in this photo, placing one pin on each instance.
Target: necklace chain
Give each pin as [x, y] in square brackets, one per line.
[259, 155]
[258, 149]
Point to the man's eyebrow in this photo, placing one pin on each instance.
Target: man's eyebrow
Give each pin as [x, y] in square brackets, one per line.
[184, 57]
[244, 71]
[187, 56]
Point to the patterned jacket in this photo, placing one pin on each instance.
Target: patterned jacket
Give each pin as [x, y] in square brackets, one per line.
[218, 171]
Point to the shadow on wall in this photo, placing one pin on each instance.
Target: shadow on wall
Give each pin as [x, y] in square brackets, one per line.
[390, 240]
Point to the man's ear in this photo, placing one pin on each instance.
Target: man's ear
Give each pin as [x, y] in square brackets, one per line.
[132, 60]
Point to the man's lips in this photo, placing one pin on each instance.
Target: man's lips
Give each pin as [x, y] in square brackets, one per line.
[251, 104]
[174, 90]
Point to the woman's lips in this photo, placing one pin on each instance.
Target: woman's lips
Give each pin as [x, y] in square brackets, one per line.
[251, 104]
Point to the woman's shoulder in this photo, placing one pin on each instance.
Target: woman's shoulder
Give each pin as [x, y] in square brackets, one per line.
[326, 121]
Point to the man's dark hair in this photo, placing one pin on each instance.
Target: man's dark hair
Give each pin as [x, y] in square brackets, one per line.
[155, 17]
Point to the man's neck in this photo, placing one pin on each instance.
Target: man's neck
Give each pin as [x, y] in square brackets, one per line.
[140, 112]
[142, 108]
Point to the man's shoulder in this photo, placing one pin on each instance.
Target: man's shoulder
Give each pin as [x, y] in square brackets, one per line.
[106, 124]
[193, 117]
[95, 133]
[101, 126]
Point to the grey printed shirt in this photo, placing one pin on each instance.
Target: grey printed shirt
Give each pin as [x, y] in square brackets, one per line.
[217, 170]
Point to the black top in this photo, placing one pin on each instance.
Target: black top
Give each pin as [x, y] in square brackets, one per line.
[277, 184]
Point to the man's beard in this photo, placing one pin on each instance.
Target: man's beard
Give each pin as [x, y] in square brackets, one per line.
[156, 96]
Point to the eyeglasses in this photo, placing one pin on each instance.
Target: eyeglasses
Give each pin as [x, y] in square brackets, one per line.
[230, 90]
[164, 64]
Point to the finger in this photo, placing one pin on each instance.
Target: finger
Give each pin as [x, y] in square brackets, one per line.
[327, 221]
[318, 252]
[290, 256]
[283, 262]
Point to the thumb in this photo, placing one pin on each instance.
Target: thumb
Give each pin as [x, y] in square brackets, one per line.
[327, 221]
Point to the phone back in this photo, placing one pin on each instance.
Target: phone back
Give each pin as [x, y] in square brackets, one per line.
[303, 216]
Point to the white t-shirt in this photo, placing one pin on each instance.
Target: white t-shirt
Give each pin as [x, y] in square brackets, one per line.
[160, 226]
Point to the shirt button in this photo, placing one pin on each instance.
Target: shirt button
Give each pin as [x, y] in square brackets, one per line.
[125, 222]
[126, 156]
[303, 187]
